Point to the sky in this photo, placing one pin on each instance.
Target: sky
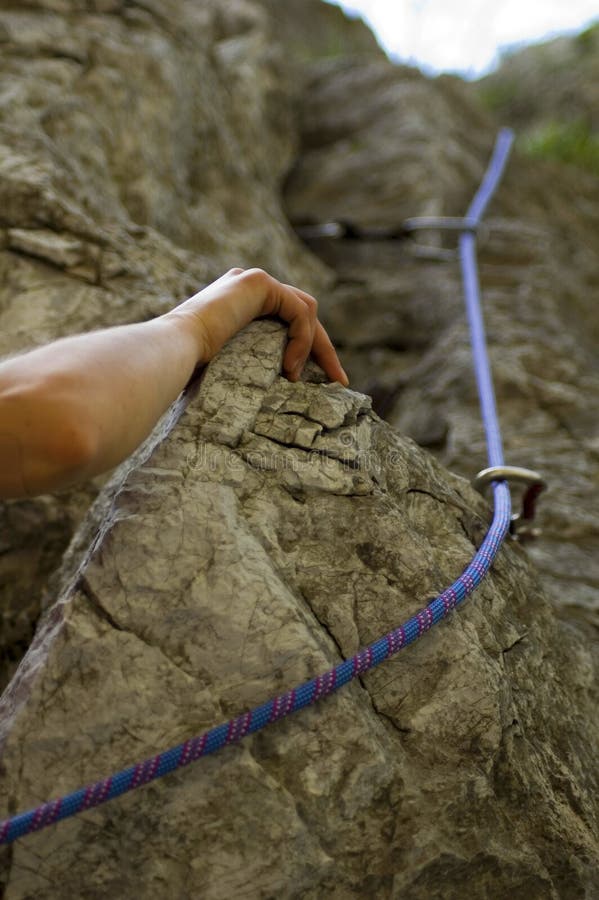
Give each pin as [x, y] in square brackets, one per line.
[465, 35]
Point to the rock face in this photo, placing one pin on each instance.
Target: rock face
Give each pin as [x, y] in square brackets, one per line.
[548, 83]
[396, 306]
[277, 528]
[550, 93]
[141, 153]
[267, 529]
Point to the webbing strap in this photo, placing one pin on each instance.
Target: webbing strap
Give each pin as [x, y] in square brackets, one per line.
[305, 694]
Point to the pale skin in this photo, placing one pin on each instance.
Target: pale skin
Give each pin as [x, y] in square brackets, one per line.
[77, 407]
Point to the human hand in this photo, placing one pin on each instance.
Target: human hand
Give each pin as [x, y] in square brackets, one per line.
[227, 305]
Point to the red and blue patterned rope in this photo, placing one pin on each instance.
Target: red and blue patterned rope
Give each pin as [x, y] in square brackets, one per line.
[283, 705]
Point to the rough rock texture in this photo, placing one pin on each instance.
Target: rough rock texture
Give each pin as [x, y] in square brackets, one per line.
[550, 93]
[396, 307]
[556, 81]
[279, 527]
[267, 529]
[141, 152]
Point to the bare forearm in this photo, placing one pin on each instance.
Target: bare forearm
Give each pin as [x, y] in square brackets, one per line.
[79, 406]
[136, 372]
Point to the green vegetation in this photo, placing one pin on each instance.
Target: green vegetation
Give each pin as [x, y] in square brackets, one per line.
[588, 40]
[498, 95]
[568, 142]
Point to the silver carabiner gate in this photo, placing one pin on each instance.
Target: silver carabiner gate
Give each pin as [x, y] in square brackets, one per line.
[521, 527]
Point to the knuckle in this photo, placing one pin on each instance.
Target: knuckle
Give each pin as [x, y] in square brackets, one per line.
[256, 276]
[235, 271]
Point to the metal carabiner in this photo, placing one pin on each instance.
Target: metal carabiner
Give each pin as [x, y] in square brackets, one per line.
[521, 528]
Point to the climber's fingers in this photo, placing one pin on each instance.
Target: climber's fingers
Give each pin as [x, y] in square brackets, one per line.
[315, 343]
[306, 334]
[300, 310]
[325, 355]
[240, 295]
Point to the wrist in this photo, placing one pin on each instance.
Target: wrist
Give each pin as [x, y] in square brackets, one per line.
[190, 331]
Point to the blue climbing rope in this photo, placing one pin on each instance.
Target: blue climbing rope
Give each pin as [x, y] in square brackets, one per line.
[467, 243]
[387, 646]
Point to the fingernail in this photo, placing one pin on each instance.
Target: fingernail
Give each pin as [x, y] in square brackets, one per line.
[345, 379]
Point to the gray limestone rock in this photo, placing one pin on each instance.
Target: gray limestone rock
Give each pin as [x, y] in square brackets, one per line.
[225, 565]
[141, 153]
[267, 530]
[396, 309]
[549, 92]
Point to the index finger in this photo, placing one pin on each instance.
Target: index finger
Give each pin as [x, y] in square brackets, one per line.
[320, 347]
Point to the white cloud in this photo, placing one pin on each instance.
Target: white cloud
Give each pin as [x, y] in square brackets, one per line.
[465, 35]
